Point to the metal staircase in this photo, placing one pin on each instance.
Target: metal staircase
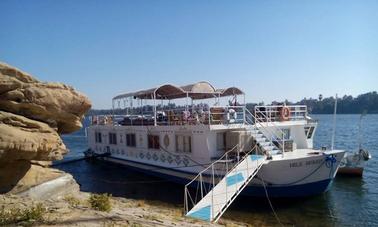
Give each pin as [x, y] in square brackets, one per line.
[220, 195]
[267, 145]
[269, 137]
[213, 190]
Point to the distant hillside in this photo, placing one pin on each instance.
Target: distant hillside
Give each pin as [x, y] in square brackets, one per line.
[367, 102]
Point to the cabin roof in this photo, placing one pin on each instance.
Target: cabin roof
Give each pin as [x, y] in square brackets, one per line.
[199, 90]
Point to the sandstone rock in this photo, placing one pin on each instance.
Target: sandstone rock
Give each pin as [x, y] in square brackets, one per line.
[33, 114]
[25, 139]
[20, 175]
[56, 104]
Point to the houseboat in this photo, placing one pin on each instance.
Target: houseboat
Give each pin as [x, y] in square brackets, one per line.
[197, 133]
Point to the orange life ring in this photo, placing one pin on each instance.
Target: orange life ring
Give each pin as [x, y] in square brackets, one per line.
[285, 113]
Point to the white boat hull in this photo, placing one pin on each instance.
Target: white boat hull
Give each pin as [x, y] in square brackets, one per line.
[287, 177]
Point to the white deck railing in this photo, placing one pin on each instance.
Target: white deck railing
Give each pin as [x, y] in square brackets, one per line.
[215, 115]
[274, 113]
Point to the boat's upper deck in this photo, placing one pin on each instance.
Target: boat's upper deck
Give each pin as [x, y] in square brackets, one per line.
[195, 104]
[217, 116]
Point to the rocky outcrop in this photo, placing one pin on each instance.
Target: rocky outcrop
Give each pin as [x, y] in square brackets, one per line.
[24, 139]
[56, 104]
[33, 114]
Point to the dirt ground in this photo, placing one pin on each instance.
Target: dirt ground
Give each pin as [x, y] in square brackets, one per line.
[75, 210]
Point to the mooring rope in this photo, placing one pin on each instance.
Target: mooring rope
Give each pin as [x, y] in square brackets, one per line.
[270, 204]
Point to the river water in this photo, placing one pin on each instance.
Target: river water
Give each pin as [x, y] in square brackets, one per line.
[350, 201]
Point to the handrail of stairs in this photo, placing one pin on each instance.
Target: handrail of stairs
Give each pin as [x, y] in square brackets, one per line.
[283, 134]
[280, 138]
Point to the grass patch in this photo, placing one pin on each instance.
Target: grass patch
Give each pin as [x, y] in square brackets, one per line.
[72, 201]
[100, 202]
[134, 225]
[27, 216]
[150, 217]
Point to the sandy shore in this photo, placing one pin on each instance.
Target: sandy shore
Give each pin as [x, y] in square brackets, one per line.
[75, 210]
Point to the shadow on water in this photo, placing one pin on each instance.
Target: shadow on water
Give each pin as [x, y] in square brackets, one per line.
[104, 177]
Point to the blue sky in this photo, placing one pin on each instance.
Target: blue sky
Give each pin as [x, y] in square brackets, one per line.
[271, 49]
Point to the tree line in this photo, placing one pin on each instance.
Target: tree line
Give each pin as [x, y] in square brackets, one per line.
[364, 103]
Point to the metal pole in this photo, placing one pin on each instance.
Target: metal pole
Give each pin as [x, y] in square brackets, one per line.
[201, 185]
[225, 175]
[209, 114]
[113, 108]
[245, 106]
[186, 201]
[186, 105]
[212, 193]
[283, 144]
[359, 133]
[226, 162]
[155, 123]
[334, 124]
[141, 110]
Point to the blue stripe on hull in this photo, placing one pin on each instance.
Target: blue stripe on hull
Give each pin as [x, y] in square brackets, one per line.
[301, 190]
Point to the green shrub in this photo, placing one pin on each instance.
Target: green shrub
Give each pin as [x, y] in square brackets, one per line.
[100, 202]
[72, 201]
[17, 215]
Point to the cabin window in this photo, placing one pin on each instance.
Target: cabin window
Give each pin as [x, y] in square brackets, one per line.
[221, 141]
[130, 140]
[153, 142]
[309, 131]
[183, 143]
[112, 138]
[98, 137]
[286, 132]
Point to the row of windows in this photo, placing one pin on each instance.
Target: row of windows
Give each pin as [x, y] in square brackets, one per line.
[183, 142]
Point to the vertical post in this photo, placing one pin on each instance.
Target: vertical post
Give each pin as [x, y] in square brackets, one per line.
[246, 159]
[112, 108]
[127, 109]
[212, 193]
[185, 201]
[226, 162]
[186, 109]
[209, 115]
[334, 124]
[141, 110]
[244, 107]
[283, 143]
[186, 104]
[201, 182]
[225, 175]
[155, 123]
[192, 105]
[238, 154]
[131, 105]
[359, 133]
